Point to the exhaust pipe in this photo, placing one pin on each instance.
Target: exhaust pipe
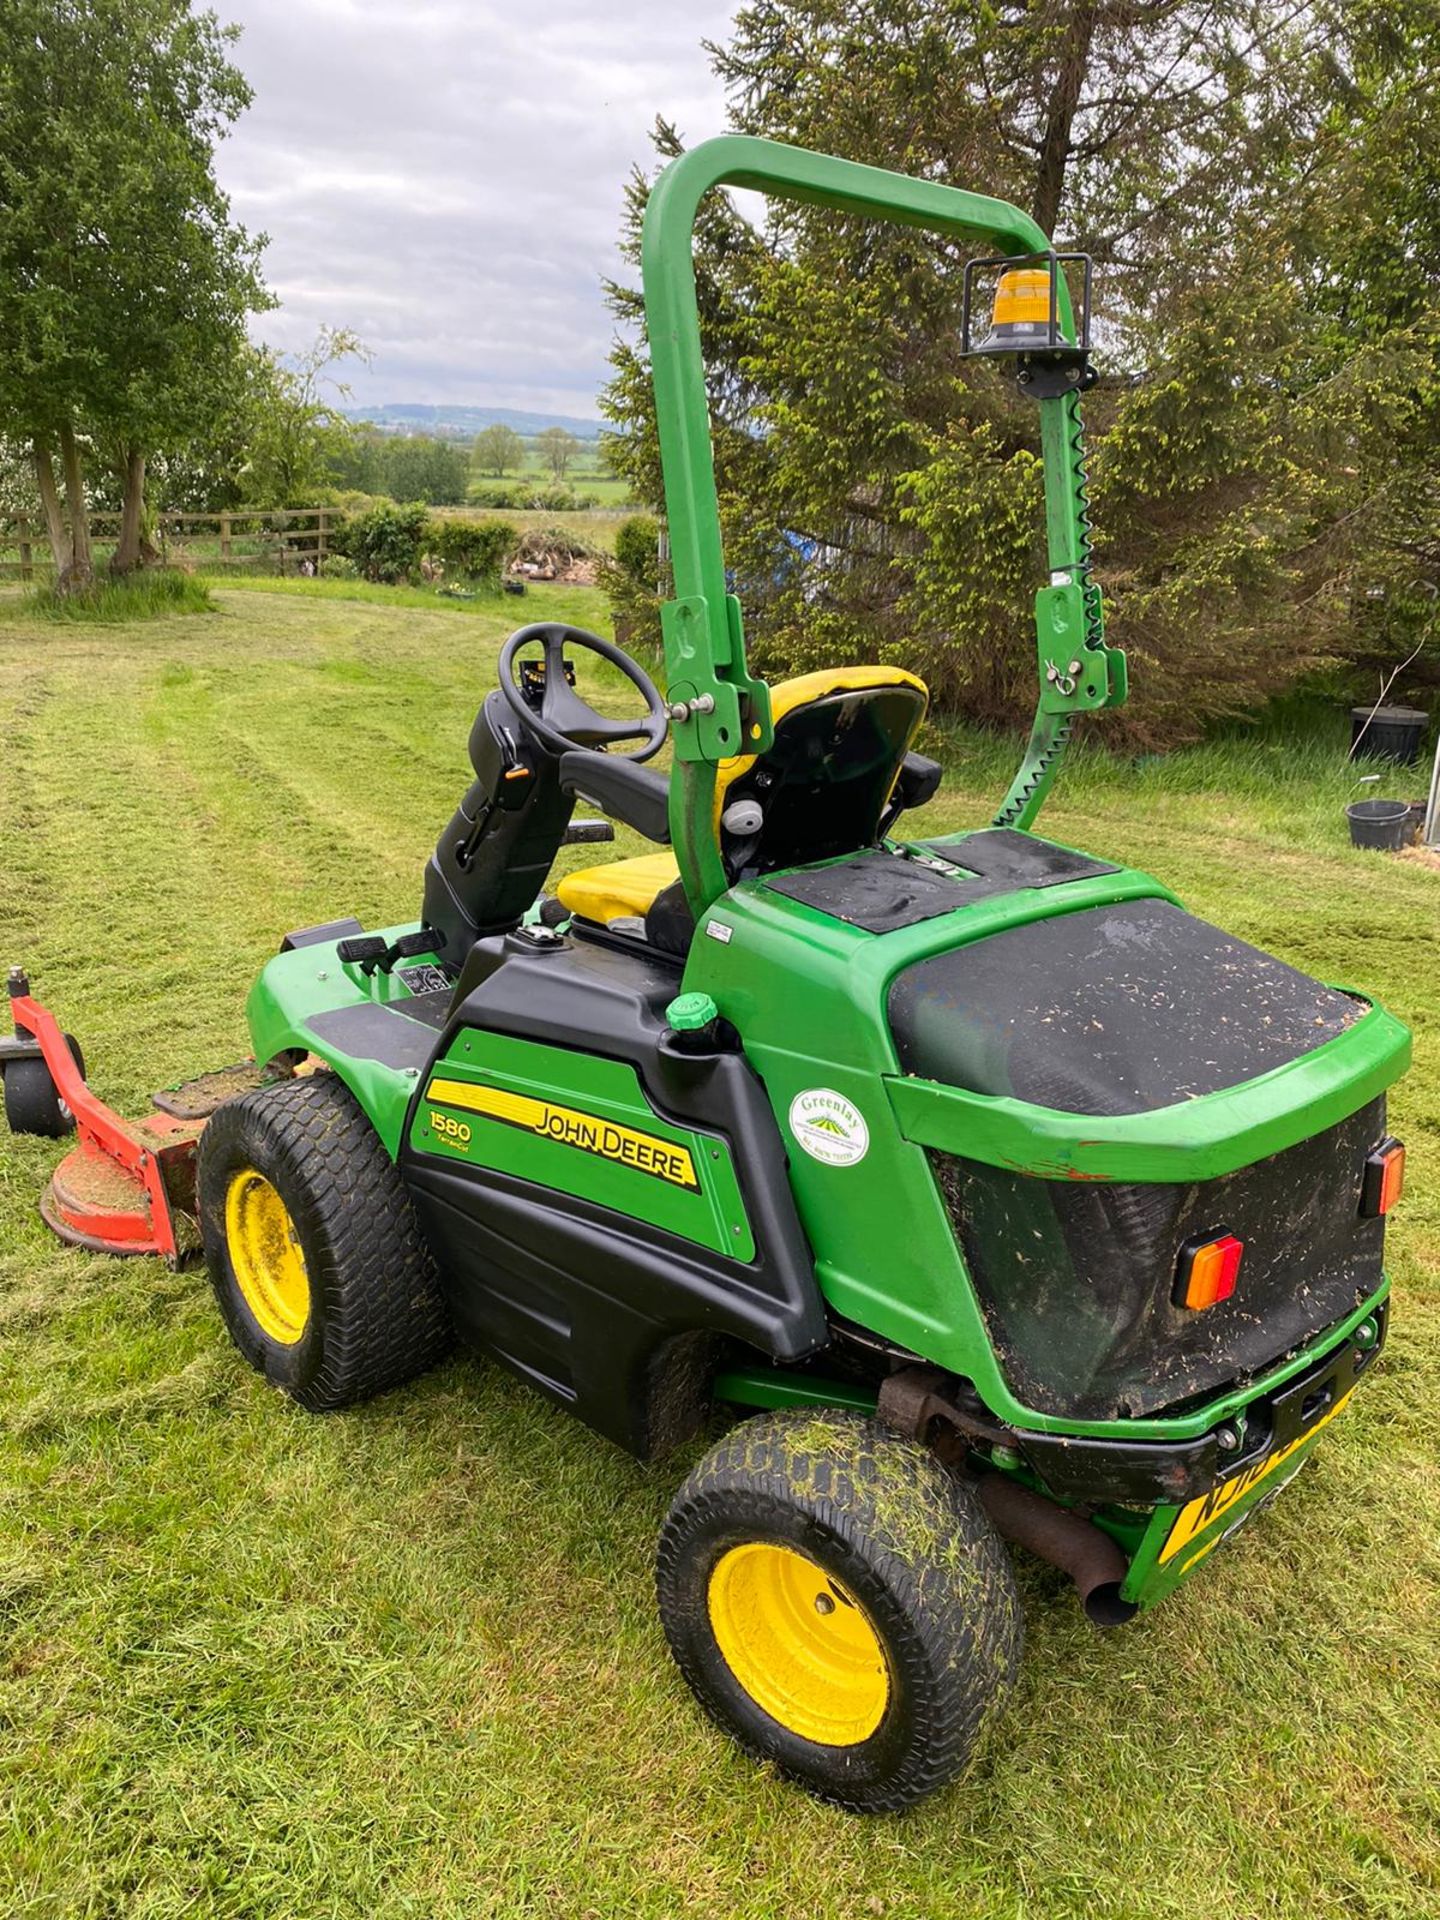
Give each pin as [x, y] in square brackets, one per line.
[1091, 1558]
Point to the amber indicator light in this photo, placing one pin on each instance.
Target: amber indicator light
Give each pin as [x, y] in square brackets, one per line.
[1207, 1271]
[1384, 1179]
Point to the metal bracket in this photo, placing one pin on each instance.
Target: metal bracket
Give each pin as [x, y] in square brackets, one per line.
[1074, 677]
[1045, 376]
[716, 711]
[914, 1401]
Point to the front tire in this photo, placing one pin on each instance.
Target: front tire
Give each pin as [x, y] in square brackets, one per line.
[314, 1252]
[840, 1604]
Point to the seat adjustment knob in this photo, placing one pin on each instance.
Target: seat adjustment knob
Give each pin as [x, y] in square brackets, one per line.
[742, 818]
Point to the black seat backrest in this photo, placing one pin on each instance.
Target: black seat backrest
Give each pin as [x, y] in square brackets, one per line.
[824, 783]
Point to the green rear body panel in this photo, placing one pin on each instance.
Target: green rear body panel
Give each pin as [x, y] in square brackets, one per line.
[808, 994]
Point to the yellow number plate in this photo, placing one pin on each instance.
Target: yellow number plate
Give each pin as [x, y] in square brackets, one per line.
[1203, 1512]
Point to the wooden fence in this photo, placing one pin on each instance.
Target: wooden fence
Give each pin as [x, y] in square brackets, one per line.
[292, 541]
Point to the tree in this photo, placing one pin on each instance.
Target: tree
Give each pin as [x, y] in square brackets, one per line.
[557, 447]
[295, 428]
[355, 461]
[496, 450]
[418, 467]
[1221, 162]
[124, 285]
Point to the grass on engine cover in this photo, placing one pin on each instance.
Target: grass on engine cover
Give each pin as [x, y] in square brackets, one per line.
[405, 1661]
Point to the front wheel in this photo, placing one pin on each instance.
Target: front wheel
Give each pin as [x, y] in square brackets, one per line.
[840, 1604]
[314, 1251]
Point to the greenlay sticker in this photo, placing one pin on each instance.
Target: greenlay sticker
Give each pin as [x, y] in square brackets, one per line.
[828, 1127]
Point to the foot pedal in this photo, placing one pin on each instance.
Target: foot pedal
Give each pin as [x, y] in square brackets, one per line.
[371, 952]
[198, 1099]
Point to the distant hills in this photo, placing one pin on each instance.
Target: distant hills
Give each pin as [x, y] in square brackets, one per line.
[463, 423]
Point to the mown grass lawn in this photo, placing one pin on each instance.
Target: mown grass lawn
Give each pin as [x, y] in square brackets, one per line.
[404, 1661]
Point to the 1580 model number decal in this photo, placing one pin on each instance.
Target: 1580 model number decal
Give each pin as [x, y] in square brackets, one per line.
[646, 1152]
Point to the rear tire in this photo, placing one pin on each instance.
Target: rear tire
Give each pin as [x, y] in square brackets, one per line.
[317, 1261]
[840, 1604]
[32, 1100]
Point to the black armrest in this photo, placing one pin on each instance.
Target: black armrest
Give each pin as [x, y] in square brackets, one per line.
[631, 793]
[919, 781]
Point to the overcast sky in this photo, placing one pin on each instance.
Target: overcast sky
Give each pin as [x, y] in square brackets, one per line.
[445, 177]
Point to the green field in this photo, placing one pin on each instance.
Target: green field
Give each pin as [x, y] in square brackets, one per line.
[404, 1661]
[585, 475]
[595, 525]
[609, 491]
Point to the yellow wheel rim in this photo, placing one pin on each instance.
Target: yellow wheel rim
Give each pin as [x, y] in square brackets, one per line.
[799, 1644]
[265, 1254]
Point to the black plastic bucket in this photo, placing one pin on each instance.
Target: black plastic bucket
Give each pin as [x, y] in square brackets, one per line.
[1394, 733]
[1382, 824]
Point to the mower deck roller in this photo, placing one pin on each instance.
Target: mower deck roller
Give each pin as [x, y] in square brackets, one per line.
[991, 1195]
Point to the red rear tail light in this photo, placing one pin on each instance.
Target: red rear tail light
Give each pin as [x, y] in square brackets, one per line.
[1384, 1179]
[1207, 1271]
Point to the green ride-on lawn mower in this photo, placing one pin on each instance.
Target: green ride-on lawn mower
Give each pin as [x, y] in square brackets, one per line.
[999, 1195]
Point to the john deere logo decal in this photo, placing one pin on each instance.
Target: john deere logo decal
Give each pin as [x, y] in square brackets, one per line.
[646, 1152]
[828, 1127]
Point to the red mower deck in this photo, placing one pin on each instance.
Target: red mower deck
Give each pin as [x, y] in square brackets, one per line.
[126, 1186]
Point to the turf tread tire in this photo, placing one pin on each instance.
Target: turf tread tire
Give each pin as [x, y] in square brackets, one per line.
[907, 1539]
[378, 1316]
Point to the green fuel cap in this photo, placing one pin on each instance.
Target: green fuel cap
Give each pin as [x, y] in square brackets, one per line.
[689, 1012]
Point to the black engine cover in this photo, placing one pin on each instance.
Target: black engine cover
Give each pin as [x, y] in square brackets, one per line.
[1125, 1009]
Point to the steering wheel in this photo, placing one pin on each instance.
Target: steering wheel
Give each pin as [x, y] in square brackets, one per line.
[563, 721]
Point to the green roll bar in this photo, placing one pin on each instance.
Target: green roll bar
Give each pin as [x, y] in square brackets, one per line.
[718, 708]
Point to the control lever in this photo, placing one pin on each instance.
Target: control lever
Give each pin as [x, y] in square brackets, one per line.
[363, 948]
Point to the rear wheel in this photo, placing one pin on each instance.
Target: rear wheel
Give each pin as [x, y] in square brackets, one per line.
[314, 1252]
[840, 1604]
[32, 1100]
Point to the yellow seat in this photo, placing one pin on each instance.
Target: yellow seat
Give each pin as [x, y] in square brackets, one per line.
[624, 887]
[627, 888]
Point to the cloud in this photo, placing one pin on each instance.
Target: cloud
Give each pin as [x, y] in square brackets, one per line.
[446, 178]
